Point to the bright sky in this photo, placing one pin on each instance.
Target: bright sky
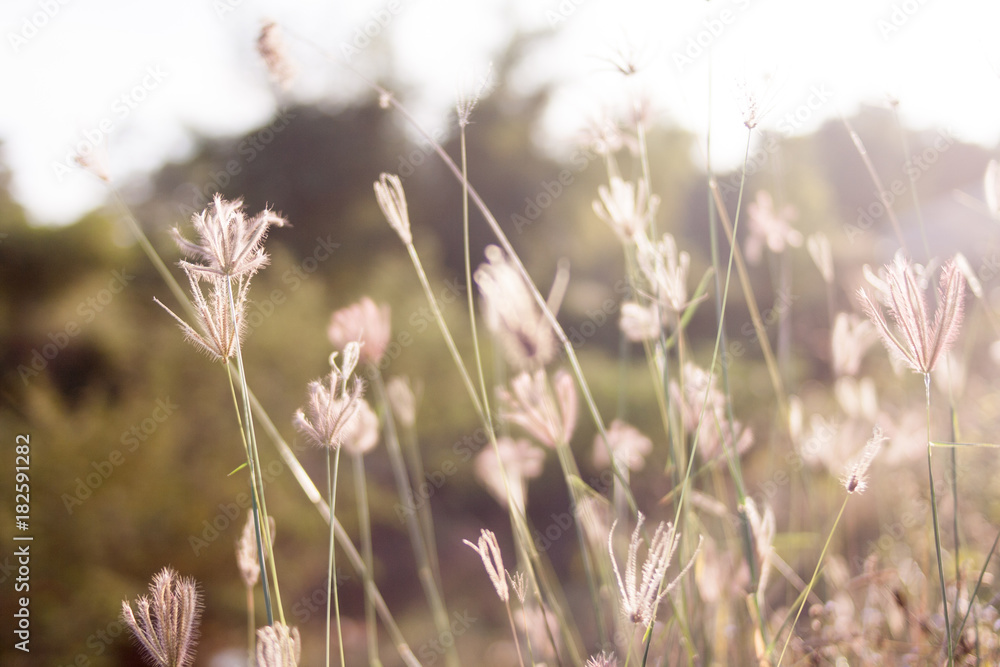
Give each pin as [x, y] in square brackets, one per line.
[145, 77]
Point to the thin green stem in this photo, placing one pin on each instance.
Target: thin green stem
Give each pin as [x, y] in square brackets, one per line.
[649, 641]
[262, 533]
[519, 266]
[812, 582]
[365, 527]
[572, 476]
[443, 327]
[254, 499]
[913, 181]
[937, 529]
[425, 574]
[513, 631]
[331, 581]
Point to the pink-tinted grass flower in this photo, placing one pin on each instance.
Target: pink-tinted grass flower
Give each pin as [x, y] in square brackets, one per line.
[362, 321]
[919, 342]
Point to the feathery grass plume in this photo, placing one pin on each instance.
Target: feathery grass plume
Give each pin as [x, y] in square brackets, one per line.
[517, 583]
[230, 243]
[271, 48]
[530, 405]
[602, 660]
[246, 554]
[246, 551]
[392, 201]
[466, 103]
[855, 478]
[512, 314]
[521, 461]
[849, 340]
[278, 646]
[166, 625]
[628, 445]
[819, 249]
[666, 270]
[626, 208]
[770, 228]
[763, 527]
[363, 321]
[332, 404]
[640, 599]
[489, 552]
[217, 335]
[360, 433]
[229, 248]
[920, 342]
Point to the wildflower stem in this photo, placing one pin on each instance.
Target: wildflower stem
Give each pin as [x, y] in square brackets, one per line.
[424, 570]
[513, 631]
[812, 582]
[260, 510]
[519, 266]
[572, 475]
[255, 502]
[468, 277]
[954, 502]
[937, 529]
[151, 254]
[522, 531]
[416, 467]
[364, 523]
[913, 181]
[331, 582]
[314, 496]
[443, 327]
[870, 167]
[648, 639]
[287, 455]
